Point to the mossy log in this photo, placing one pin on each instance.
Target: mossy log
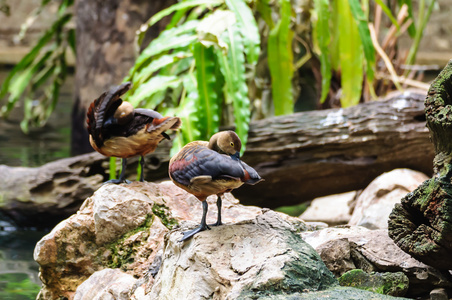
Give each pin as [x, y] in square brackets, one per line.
[422, 224]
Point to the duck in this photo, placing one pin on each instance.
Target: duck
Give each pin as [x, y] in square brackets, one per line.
[211, 168]
[116, 129]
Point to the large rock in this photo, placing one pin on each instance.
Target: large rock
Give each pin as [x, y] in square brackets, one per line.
[333, 210]
[262, 256]
[120, 226]
[378, 199]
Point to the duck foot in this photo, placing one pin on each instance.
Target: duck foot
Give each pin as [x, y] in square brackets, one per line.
[190, 233]
[118, 181]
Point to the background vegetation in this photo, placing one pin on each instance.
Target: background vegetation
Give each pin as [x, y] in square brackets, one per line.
[224, 63]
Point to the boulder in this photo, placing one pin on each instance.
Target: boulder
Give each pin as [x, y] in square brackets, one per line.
[120, 226]
[333, 210]
[263, 256]
[106, 284]
[376, 202]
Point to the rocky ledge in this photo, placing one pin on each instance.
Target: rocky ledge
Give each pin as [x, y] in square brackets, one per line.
[123, 243]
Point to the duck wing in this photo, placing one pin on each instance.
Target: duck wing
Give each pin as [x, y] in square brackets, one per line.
[103, 109]
[197, 160]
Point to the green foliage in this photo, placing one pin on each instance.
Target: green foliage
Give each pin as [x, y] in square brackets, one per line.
[199, 67]
[37, 78]
[280, 61]
[343, 42]
[18, 287]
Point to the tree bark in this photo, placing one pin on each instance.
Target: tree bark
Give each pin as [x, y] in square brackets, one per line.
[422, 224]
[105, 52]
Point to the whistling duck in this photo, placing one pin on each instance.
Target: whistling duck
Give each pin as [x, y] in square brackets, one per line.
[117, 129]
[211, 168]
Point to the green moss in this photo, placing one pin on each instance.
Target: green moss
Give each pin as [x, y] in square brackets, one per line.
[122, 253]
[162, 212]
[395, 284]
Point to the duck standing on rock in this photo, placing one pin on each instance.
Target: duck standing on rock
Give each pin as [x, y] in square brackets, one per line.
[117, 129]
[211, 168]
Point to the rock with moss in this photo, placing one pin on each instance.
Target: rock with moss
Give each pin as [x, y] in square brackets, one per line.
[422, 224]
[355, 247]
[393, 284]
[120, 227]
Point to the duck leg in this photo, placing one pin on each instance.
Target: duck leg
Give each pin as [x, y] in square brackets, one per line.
[142, 169]
[122, 176]
[203, 226]
[219, 202]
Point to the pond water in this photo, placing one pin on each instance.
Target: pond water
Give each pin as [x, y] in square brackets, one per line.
[18, 271]
[41, 145]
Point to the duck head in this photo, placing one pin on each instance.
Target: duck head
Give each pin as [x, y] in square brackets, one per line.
[124, 113]
[226, 142]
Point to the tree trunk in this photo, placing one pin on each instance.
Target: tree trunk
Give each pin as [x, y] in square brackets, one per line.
[422, 224]
[105, 52]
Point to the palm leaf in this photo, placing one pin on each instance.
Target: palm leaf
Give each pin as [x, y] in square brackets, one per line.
[351, 58]
[322, 36]
[280, 61]
[232, 66]
[249, 29]
[364, 33]
[173, 8]
[208, 102]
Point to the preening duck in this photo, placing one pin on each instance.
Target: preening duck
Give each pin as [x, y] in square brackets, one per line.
[117, 129]
[211, 168]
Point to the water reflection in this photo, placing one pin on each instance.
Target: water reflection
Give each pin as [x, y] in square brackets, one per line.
[41, 145]
[18, 271]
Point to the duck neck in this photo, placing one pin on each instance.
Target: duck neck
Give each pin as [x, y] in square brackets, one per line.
[213, 143]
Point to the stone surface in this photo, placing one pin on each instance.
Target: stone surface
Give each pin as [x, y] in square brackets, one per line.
[373, 250]
[394, 284]
[263, 256]
[376, 202]
[106, 284]
[333, 210]
[438, 294]
[120, 226]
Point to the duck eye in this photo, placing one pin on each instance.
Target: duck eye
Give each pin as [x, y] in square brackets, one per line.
[232, 144]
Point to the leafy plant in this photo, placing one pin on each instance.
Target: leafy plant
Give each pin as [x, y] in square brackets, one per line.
[346, 46]
[199, 67]
[38, 76]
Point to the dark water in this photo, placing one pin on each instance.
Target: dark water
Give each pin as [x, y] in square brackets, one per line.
[41, 145]
[18, 271]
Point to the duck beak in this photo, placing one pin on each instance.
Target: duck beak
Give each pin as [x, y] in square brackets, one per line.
[236, 156]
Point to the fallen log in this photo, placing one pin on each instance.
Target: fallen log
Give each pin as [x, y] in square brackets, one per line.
[422, 224]
[301, 156]
[318, 153]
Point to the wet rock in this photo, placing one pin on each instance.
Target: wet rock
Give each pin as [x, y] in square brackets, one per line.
[376, 202]
[393, 284]
[333, 210]
[120, 226]
[263, 256]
